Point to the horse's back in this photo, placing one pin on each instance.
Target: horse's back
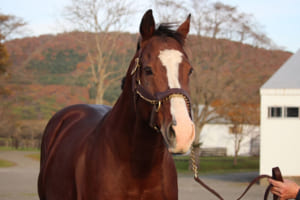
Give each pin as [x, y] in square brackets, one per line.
[83, 116]
[65, 135]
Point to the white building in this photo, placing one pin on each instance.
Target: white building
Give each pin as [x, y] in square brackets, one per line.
[215, 136]
[280, 120]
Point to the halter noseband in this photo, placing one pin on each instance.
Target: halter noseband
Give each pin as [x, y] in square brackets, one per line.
[158, 98]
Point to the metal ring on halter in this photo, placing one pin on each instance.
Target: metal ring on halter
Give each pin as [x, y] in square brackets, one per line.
[158, 106]
[137, 65]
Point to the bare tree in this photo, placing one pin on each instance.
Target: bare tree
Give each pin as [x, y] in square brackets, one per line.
[100, 21]
[10, 25]
[241, 131]
[169, 11]
[243, 119]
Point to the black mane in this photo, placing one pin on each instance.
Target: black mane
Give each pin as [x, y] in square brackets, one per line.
[167, 30]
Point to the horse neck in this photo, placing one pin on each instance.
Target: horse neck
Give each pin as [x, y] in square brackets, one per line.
[138, 142]
[148, 150]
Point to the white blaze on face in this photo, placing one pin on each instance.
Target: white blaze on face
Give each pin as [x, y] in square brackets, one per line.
[184, 128]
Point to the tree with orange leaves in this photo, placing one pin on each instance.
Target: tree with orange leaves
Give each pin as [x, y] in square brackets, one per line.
[4, 58]
[9, 24]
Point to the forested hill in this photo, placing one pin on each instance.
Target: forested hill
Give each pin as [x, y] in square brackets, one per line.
[52, 71]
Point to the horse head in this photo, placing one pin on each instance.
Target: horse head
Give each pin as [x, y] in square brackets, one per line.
[160, 81]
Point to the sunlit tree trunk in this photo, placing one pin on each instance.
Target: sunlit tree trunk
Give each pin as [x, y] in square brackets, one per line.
[101, 21]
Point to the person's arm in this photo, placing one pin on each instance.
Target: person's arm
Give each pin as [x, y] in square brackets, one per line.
[298, 195]
[286, 189]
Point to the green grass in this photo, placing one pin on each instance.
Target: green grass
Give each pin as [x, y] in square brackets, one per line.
[4, 148]
[218, 164]
[5, 163]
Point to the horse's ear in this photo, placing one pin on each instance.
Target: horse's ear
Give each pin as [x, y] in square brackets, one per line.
[184, 28]
[147, 25]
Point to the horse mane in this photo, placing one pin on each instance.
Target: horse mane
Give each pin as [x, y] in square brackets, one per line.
[166, 30]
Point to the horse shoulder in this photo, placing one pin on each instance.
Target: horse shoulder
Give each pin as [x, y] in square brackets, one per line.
[66, 131]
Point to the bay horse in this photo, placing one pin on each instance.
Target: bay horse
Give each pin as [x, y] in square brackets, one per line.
[92, 152]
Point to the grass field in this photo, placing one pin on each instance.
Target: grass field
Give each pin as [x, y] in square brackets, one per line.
[218, 164]
[5, 163]
[4, 148]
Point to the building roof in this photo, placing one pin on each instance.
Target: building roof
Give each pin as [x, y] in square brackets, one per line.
[287, 76]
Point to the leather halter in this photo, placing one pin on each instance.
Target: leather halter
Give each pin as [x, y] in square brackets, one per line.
[158, 99]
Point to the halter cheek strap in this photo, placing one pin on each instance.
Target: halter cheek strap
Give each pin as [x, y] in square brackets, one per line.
[158, 98]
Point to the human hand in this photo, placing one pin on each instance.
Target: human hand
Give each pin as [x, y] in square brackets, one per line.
[285, 190]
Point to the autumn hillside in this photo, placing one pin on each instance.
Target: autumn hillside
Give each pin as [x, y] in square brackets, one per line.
[52, 71]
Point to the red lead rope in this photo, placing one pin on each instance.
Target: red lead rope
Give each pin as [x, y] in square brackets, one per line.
[276, 174]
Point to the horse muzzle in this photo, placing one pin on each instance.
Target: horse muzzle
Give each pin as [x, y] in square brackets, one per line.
[179, 134]
[179, 137]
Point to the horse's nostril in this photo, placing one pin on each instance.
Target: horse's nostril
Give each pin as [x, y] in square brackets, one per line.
[171, 133]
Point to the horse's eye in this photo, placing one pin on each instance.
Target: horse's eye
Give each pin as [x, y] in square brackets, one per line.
[148, 70]
[191, 71]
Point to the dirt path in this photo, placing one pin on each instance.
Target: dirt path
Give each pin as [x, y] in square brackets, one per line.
[20, 182]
